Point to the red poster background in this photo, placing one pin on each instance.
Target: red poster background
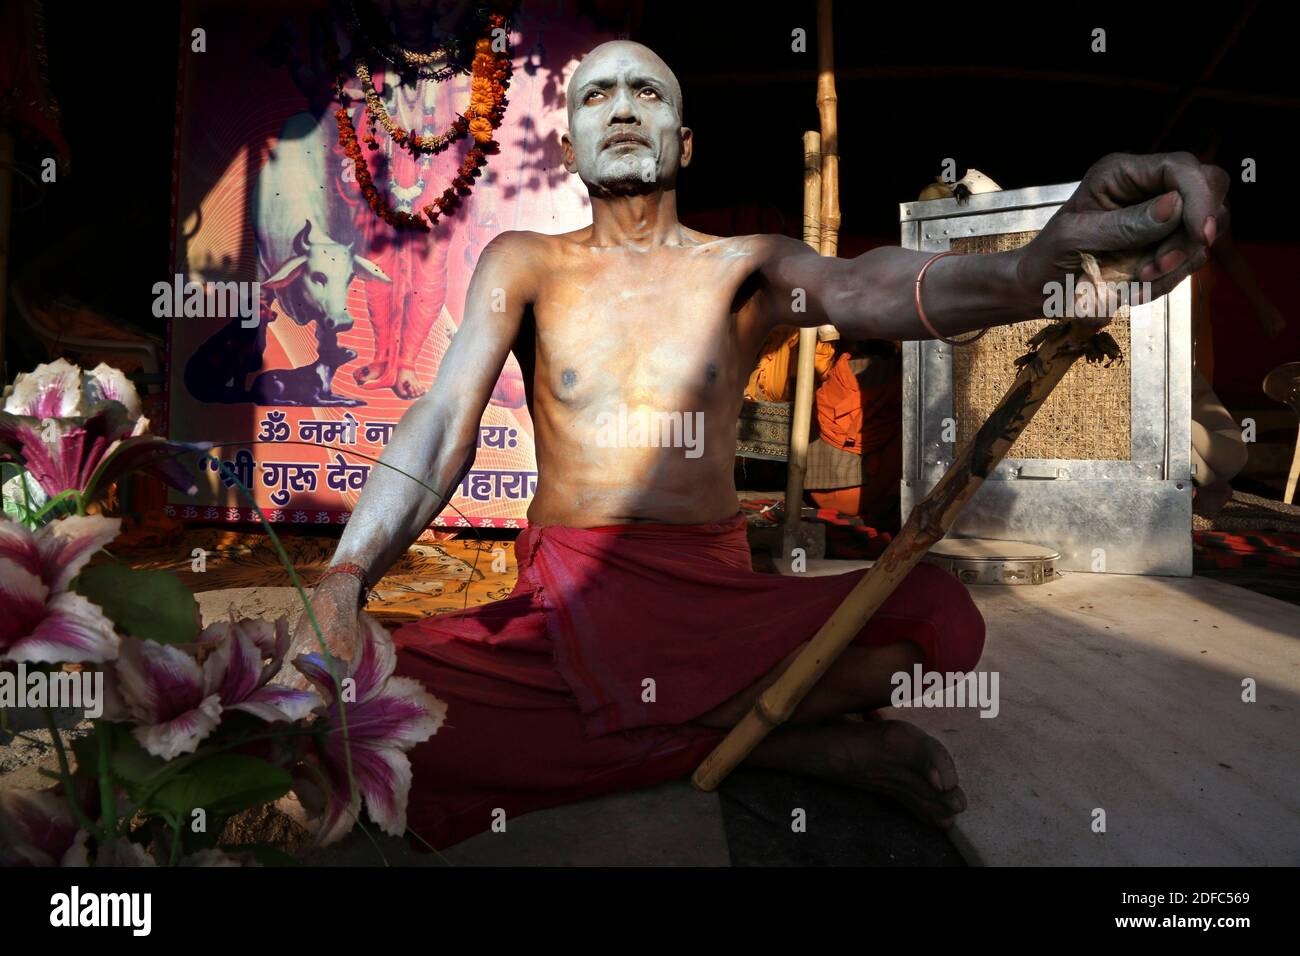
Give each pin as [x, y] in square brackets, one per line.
[233, 104]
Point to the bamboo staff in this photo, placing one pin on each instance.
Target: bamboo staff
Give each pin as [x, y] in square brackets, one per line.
[826, 241]
[801, 414]
[928, 522]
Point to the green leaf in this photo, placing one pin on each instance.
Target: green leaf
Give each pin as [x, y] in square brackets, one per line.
[129, 763]
[132, 765]
[150, 605]
[221, 785]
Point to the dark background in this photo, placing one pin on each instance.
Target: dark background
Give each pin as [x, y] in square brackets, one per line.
[1012, 90]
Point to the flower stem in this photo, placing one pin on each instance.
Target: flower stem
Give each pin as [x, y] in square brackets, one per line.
[330, 659]
[27, 500]
[57, 500]
[65, 777]
[107, 798]
[176, 840]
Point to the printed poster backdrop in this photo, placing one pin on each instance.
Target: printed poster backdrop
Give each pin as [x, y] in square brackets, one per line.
[361, 313]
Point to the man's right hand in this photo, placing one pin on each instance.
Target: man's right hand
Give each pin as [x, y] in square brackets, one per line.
[334, 602]
[435, 440]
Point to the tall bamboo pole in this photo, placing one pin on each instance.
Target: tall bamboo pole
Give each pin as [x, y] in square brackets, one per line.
[827, 244]
[812, 189]
[928, 522]
[828, 112]
[801, 414]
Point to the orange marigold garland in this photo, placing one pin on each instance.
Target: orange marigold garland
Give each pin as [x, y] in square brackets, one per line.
[412, 141]
[490, 78]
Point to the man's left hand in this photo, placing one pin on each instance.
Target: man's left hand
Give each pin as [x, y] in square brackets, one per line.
[1155, 214]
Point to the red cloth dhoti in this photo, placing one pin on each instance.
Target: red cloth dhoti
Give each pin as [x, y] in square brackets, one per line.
[585, 679]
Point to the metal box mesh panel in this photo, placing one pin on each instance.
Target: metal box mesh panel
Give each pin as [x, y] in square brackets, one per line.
[1087, 417]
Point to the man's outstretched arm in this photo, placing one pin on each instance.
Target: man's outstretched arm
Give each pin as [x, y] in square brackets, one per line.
[434, 441]
[1158, 210]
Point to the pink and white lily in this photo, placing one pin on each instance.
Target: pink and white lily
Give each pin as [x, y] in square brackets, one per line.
[75, 430]
[163, 691]
[42, 620]
[385, 716]
[176, 702]
[247, 656]
[38, 829]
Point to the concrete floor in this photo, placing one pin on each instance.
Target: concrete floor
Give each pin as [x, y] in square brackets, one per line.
[669, 825]
[1123, 694]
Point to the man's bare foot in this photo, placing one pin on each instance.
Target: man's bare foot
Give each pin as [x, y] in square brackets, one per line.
[888, 757]
[406, 385]
[900, 760]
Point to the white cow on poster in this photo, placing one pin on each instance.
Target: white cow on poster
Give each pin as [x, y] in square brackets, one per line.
[304, 235]
[305, 254]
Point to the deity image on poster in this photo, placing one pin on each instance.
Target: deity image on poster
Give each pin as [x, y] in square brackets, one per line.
[352, 315]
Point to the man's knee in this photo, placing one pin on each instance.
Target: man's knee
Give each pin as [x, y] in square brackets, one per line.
[955, 622]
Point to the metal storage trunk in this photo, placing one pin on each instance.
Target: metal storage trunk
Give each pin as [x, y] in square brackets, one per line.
[1103, 473]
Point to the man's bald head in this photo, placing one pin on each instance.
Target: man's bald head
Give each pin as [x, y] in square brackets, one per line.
[613, 53]
[625, 121]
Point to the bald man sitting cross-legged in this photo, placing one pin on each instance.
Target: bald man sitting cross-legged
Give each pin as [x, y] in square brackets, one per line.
[638, 632]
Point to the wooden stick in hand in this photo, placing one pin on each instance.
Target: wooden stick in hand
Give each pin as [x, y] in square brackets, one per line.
[1059, 346]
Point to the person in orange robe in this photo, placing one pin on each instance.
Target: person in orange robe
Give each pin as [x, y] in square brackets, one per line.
[856, 461]
[773, 377]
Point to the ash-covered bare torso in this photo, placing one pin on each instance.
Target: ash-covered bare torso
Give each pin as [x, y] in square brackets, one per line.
[635, 350]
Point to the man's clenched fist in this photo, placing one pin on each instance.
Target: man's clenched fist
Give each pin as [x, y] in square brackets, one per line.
[1152, 217]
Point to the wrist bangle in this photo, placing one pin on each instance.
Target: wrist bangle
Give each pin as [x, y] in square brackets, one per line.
[920, 310]
[357, 571]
